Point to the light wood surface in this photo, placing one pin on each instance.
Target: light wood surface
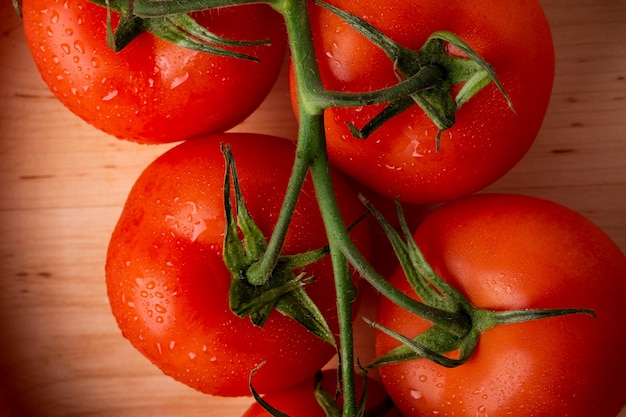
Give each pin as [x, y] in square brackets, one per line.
[62, 185]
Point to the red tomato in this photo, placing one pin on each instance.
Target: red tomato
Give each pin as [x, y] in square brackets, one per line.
[167, 282]
[153, 91]
[299, 401]
[488, 139]
[513, 252]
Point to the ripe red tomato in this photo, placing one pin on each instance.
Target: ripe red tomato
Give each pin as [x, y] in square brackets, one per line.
[167, 282]
[299, 401]
[488, 139]
[514, 252]
[153, 91]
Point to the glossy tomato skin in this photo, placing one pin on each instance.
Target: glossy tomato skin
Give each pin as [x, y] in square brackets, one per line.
[516, 252]
[166, 279]
[152, 91]
[488, 138]
[299, 400]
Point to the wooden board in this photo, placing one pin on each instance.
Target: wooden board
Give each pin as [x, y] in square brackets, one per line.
[62, 185]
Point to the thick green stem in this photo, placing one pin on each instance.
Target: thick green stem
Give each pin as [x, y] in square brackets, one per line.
[336, 229]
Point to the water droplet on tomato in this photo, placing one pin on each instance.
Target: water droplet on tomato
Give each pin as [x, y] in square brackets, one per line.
[172, 344]
[415, 394]
[54, 17]
[95, 62]
[110, 96]
[49, 32]
[66, 48]
[179, 80]
[79, 46]
[160, 309]
[192, 355]
[423, 378]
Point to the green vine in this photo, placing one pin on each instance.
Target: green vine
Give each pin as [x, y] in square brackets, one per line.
[263, 279]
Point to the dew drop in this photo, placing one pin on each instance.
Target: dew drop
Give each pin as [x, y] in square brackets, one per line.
[110, 96]
[79, 46]
[172, 344]
[415, 394]
[66, 48]
[54, 17]
[179, 80]
[192, 355]
[159, 308]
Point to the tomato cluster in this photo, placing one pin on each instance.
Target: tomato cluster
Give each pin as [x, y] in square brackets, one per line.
[224, 290]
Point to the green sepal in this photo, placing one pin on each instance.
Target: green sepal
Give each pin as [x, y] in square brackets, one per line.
[177, 28]
[283, 291]
[428, 286]
[260, 400]
[437, 102]
[160, 8]
[129, 28]
[327, 401]
[182, 30]
[431, 345]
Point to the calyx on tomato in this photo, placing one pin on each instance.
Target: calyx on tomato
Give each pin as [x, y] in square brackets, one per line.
[177, 28]
[283, 290]
[437, 102]
[444, 338]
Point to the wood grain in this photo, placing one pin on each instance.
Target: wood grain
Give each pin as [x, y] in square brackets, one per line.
[62, 185]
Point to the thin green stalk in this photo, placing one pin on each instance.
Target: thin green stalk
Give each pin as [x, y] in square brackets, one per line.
[259, 273]
[300, 41]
